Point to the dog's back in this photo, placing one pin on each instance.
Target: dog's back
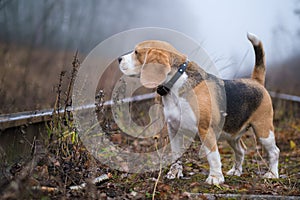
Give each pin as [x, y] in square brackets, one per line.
[244, 96]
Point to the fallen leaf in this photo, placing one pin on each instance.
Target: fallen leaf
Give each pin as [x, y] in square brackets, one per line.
[292, 145]
[194, 184]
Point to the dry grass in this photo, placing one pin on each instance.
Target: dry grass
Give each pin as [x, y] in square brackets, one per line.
[68, 163]
[28, 77]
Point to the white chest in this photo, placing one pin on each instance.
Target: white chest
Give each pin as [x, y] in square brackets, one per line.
[177, 109]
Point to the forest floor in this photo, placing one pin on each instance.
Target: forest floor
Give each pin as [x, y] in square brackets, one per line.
[63, 168]
[65, 162]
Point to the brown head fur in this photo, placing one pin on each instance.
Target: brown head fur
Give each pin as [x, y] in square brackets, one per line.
[156, 59]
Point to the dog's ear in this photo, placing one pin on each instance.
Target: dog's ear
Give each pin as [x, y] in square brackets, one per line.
[155, 68]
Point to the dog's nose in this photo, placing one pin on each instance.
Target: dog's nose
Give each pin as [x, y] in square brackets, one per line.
[120, 59]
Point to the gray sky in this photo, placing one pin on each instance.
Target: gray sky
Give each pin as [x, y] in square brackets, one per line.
[223, 26]
[62, 27]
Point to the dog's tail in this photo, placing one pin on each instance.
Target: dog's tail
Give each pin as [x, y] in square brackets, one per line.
[259, 70]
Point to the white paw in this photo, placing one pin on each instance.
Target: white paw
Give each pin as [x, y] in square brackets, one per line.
[271, 175]
[215, 179]
[175, 171]
[234, 172]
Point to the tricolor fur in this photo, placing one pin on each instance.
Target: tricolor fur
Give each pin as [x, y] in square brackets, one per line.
[248, 104]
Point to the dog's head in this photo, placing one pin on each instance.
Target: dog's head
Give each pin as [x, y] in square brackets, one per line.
[152, 61]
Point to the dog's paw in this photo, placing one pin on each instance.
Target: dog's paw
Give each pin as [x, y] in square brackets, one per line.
[215, 179]
[270, 175]
[175, 171]
[234, 172]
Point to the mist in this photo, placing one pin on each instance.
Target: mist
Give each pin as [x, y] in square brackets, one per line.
[60, 28]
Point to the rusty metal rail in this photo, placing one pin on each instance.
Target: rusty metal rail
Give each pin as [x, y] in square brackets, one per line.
[31, 117]
[284, 96]
[21, 118]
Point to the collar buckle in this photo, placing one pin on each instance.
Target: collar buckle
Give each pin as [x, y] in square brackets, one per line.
[164, 89]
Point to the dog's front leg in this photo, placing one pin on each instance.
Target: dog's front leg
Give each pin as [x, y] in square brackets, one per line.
[215, 176]
[176, 149]
[209, 145]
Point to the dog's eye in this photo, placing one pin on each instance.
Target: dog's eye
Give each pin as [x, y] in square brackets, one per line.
[135, 52]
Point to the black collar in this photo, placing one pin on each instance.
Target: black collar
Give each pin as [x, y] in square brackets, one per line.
[164, 89]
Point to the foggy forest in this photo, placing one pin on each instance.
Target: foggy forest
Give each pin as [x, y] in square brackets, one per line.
[49, 151]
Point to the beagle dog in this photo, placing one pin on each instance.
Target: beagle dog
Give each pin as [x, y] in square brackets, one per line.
[248, 104]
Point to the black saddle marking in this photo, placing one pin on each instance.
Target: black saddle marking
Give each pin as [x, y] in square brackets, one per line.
[242, 100]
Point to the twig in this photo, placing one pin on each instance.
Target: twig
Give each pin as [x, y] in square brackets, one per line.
[94, 181]
[58, 92]
[45, 188]
[159, 173]
[260, 156]
[75, 65]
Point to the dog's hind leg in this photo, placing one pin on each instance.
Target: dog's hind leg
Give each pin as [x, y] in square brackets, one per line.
[239, 152]
[267, 140]
[262, 124]
[264, 131]
[273, 155]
